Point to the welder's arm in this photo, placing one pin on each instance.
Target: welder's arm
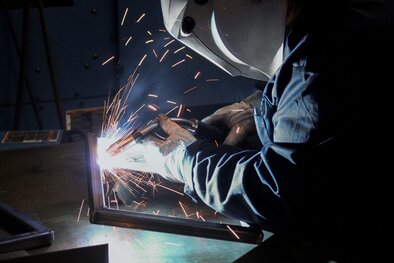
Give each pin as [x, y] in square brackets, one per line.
[237, 119]
[249, 185]
[243, 184]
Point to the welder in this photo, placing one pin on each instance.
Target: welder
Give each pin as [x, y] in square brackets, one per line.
[313, 178]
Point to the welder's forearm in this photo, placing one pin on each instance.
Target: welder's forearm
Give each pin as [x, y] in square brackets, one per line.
[226, 178]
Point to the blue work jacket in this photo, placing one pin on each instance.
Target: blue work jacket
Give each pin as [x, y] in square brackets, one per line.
[315, 171]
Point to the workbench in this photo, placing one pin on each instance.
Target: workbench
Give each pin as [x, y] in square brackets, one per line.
[49, 185]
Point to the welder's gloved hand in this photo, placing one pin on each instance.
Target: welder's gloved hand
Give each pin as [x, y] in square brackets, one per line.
[237, 119]
[165, 156]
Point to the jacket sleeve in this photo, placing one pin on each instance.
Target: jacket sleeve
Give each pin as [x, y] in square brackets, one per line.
[245, 184]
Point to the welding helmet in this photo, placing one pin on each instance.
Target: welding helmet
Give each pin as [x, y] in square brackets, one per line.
[242, 37]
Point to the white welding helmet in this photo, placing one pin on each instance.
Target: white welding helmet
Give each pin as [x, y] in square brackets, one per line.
[242, 37]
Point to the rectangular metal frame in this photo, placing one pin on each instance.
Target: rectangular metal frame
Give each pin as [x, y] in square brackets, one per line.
[100, 214]
[30, 233]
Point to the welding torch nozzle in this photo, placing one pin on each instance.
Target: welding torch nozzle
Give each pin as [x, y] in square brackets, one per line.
[198, 129]
[126, 141]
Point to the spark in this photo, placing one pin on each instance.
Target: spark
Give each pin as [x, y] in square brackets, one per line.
[171, 102]
[115, 110]
[149, 41]
[134, 113]
[103, 118]
[135, 79]
[88, 212]
[173, 244]
[197, 75]
[183, 209]
[238, 128]
[80, 210]
[154, 52]
[149, 122]
[153, 95]
[157, 212]
[195, 87]
[168, 112]
[179, 110]
[179, 49]
[138, 204]
[216, 142]
[166, 38]
[132, 74]
[200, 216]
[154, 188]
[232, 231]
[162, 30]
[239, 110]
[142, 60]
[121, 176]
[139, 19]
[152, 107]
[172, 41]
[108, 60]
[211, 80]
[162, 57]
[134, 181]
[128, 40]
[187, 55]
[124, 16]
[149, 33]
[179, 62]
[170, 189]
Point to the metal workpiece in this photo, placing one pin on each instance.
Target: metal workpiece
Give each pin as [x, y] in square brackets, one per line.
[49, 184]
[22, 231]
[165, 210]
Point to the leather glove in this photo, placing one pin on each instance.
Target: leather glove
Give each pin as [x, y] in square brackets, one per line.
[237, 118]
[165, 156]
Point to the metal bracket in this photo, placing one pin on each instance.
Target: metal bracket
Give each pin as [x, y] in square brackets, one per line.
[22, 232]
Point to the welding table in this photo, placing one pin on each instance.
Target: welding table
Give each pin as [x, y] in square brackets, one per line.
[49, 184]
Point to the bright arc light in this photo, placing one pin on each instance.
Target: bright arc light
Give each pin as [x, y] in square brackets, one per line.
[104, 160]
[131, 158]
[121, 160]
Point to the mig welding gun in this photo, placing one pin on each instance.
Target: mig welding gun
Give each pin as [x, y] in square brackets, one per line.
[199, 129]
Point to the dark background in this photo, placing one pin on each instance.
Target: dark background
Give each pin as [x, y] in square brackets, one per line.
[85, 33]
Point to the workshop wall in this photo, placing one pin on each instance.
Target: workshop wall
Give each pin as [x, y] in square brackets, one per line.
[84, 35]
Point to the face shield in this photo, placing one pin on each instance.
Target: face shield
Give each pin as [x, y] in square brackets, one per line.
[244, 38]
